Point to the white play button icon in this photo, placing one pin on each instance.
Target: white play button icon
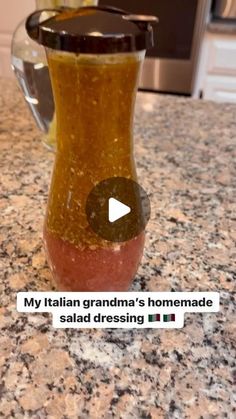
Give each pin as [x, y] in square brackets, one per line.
[117, 210]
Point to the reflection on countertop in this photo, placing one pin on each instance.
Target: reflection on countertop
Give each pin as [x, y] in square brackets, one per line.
[185, 151]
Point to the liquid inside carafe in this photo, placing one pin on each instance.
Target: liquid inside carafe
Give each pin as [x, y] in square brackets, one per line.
[94, 99]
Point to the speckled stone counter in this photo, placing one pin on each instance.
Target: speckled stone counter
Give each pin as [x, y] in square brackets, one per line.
[186, 156]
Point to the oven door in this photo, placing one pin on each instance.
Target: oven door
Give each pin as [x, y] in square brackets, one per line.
[170, 66]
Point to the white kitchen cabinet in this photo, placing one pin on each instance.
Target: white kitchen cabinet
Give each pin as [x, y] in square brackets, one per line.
[217, 70]
[12, 12]
[220, 88]
[222, 56]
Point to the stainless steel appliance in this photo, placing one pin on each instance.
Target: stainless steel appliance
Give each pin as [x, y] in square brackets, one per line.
[224, 9]
[171, 65]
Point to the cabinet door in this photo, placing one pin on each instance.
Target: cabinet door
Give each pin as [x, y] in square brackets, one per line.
[12, 12]
[222, 55]
[220, 89]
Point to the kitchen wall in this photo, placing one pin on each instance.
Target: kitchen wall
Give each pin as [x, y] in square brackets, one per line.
[11, 13]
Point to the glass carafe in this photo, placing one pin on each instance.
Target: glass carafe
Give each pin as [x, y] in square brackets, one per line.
[29, 63]
[94, 86]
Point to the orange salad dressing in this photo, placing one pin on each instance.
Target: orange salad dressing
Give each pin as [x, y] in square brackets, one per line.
[94, 99]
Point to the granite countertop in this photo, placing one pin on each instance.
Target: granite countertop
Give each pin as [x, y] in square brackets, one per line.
[185, 152]
[224, 27]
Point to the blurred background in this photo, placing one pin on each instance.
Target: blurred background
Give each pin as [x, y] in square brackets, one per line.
[195, 52]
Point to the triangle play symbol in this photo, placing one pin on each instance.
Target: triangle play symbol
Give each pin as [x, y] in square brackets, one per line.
[117, 210]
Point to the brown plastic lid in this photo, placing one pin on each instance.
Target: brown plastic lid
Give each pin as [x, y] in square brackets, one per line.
[91, 30]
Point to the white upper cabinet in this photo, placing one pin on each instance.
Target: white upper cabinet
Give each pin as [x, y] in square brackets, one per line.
[12, 12]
